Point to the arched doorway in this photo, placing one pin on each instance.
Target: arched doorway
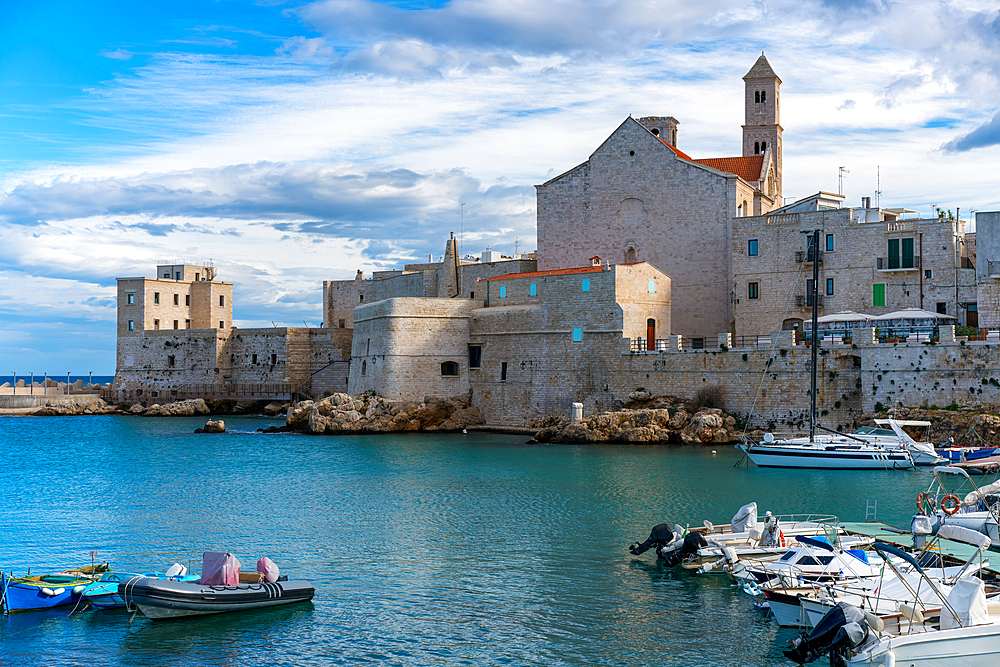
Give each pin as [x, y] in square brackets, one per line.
[630, 255]
[650, 334]
[792, 324]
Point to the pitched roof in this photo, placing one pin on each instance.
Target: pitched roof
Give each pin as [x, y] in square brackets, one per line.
[554, 272]
[761, 70]
[678, 152]
[747, 167]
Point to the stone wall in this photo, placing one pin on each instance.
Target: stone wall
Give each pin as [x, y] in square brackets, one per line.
[988, 250]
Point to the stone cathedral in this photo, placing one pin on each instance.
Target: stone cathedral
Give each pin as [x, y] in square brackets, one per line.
[639, 198]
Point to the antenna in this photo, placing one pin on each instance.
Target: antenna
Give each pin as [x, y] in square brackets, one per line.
[515, 246]
[461, 233]
[878, 187]
[840, 187]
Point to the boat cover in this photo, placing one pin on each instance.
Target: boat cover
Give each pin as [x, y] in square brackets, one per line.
[268, 569]
[973, 497]
[968, 599]
[745, 519]
[962, 534]
[219, 568]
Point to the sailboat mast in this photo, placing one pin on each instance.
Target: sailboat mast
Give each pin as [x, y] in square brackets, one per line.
[815, 335]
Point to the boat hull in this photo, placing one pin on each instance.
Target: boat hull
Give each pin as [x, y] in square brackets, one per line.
[975, 646]
[772, 456]
[21, 596]
[164, 599]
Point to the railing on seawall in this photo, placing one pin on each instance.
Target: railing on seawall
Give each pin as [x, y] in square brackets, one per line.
[227, 391]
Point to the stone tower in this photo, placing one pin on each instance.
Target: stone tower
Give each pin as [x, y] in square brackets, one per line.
[762, 131]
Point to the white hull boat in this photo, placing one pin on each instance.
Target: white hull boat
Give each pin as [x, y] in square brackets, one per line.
[827, 456]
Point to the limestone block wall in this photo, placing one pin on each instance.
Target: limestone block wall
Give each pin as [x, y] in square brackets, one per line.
[153, 306]
[987, 249]
[634, 194]
[400, 344]
[340, 298]
[166, 358]
[852, 264]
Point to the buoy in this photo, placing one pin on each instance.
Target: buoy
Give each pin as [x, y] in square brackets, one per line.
[79, 588]
[48, 591]
[713, 451]
[59, 591]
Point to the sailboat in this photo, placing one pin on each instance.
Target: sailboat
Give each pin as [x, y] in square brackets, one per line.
[834, 450]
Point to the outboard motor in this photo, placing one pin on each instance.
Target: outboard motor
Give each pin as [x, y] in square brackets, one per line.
[659, 537]
[692, 542]
[843, 627]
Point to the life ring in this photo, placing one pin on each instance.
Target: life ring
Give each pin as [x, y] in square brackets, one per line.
[924, 498]
[951, 508]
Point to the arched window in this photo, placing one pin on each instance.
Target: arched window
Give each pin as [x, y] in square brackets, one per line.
[655, 131]
[746, 210]
[364, 368]
[763, 147]
[756, 97]
[763, 97]
[449, 368]
[630, 255]
[756, 148]
[650, 334]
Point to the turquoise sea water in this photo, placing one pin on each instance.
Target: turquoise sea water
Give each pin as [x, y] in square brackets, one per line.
[424, 549]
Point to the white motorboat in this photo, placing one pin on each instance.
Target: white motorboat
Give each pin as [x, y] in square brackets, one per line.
[833, 453]
[961, 503]
[964, 632]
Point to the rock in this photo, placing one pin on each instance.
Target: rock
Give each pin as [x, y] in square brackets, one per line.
[199, 430]
[215, 426]
[187, 408]
[703, 426]
[273, 409]
[137, 409]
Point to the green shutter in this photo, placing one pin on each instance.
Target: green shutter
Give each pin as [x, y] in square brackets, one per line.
[878, 294]
[894, 253]
[907, 253]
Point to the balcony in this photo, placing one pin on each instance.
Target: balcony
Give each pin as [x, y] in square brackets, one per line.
[806, 256]
[897, 263]
[803, 301]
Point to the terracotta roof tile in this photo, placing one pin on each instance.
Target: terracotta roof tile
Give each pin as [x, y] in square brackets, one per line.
[554, 272]
[677, 151]
[747, 167]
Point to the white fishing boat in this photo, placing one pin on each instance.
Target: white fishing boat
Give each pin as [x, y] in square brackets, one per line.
[954, 499]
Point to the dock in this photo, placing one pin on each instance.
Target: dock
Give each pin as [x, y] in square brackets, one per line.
[902, 538]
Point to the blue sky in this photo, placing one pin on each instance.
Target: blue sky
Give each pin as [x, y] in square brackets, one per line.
[296, 142]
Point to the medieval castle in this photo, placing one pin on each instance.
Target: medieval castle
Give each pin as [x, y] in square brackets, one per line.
[653, 270]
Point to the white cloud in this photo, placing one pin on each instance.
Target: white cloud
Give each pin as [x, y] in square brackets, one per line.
[118, 54]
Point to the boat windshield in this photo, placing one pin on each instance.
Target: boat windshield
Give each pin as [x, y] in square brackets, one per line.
[871, 430]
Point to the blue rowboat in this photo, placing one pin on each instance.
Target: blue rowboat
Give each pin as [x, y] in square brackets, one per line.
[46, 591]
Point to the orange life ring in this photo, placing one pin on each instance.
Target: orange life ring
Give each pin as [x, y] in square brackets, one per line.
[950, 508]
[924, 498]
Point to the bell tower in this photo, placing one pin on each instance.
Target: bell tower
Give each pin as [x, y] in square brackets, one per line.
[762, 131]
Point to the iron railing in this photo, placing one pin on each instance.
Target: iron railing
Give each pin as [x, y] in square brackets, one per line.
[897, 263]
[807, 256]
[804, 301]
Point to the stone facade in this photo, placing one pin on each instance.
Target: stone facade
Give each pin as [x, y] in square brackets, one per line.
[770, 287]
[180, 297]
[988, 268]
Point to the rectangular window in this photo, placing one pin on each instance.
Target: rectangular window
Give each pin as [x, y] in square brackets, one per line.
[166, 275]
[928, 274]
[131, 325]
[197, 277]
[222, 324]
[156, 324]
[810, 286]
[222, 299]
[752, 248]
[533, 290]
[130, 299]
[187, 324]
[753, 290]
[171, 360]
[175, 325]
[829, 242]
[475, 356]
[177, 299]
[893, 249]
[503, 371]
[586, 284]
[178, 275]
[253, 359]
[829, 286]
[577, 335]
[341, 324]
[156, 297]
[274, 359]
[878, 294]
[503, 291]
[652, 286]
[907, 253]
[472, 295]
[942, 308]
[361, 298]
[187, 299]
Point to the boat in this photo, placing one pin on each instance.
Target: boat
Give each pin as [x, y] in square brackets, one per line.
[962, 503]
[848, 453]
[48, 590]
[964, 631]
[748, 535]
[103, 594]
[221, 588]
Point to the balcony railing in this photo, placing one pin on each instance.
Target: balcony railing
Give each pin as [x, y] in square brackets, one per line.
[904, 263]
[803, 301]
[806, 256]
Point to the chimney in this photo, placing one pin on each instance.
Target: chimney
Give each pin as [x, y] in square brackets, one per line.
[866, 202]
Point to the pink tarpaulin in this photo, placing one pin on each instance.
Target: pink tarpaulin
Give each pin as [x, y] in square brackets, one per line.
[219, 569]
[267, 569]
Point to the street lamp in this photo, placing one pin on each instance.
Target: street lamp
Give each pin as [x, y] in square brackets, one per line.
[67, 383]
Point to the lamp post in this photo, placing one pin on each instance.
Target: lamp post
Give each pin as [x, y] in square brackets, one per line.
[90, 382]
[32, 392]
[45, 384]
[13, 384]
[67, 383]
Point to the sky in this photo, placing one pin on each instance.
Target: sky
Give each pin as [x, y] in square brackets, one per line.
[294, 142]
